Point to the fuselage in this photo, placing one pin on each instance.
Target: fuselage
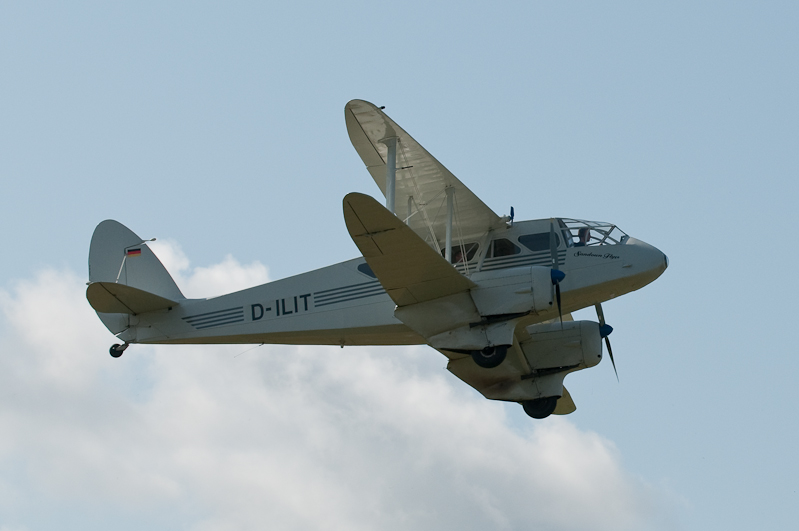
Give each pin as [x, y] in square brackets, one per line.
[345, 304]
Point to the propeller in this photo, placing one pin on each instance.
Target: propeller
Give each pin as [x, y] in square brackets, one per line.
[509, 218]
[555, 274]
[604, 331]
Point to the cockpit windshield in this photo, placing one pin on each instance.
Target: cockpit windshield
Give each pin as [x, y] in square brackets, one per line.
[581, 233]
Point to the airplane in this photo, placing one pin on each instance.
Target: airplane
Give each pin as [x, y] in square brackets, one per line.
[438, 267]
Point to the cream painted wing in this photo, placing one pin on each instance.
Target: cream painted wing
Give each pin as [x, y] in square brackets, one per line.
[421, 181]
[409, 270]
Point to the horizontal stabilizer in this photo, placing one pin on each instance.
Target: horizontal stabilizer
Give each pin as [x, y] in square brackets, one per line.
[407, 267]
[109, 297]
[565, 404]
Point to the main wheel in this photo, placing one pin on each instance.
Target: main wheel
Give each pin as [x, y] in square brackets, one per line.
[540, 408]
[115, 351]
[490, 357]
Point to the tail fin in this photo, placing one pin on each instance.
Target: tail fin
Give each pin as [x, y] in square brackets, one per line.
[125, 276]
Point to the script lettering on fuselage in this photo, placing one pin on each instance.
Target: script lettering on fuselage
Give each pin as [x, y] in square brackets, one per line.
[280, 307]
[606, 256]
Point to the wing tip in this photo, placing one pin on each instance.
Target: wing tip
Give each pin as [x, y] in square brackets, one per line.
[354, 104]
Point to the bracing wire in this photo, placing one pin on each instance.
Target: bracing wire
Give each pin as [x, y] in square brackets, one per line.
[249, 349]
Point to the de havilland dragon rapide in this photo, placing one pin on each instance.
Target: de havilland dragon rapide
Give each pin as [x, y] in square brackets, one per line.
[438, 267]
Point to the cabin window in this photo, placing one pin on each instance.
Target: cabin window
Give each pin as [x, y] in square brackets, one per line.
[538, 242]
[502, 247]
[366, 270]
[457, 252]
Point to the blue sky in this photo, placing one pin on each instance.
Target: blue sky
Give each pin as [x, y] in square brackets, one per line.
[220, 130]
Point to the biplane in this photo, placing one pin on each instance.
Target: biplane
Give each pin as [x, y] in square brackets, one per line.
[438, 267]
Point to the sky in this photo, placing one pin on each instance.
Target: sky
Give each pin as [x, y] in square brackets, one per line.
[219, 129]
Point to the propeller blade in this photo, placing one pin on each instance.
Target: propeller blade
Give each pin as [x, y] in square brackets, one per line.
[557, 275]
[557, 298]
[610, 352]
[600, 314]
[604, 331]
[553, 245]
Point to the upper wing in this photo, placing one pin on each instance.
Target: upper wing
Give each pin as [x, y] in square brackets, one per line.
[421, 180]
[409, 270]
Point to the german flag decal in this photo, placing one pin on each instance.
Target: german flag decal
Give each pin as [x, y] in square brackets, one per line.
[134, 252]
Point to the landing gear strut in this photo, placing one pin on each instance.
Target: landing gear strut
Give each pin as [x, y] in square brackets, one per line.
[540, 408]
[116, 349]
[490, 357]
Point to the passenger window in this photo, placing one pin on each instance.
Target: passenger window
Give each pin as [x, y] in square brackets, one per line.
[538, 242]
[502, 247]
[457, 252]
[366, 270]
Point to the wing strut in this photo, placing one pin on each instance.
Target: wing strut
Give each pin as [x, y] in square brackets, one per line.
[391, 171]
[450, 207]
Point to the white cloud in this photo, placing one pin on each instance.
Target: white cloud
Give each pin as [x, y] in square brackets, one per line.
[277, 437]
[211, 281]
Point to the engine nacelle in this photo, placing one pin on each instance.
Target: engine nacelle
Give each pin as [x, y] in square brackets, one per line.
[574, 344]
[513, 290]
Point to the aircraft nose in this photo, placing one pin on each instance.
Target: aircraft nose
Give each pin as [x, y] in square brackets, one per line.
[650, 258]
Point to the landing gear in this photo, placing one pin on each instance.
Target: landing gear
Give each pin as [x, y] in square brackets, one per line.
[116, 349]
[490, 357]
[540, 408]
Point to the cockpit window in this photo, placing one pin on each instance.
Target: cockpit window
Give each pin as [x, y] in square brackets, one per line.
[469, 249]
[538, 242]
[502, 247]
[581, 233]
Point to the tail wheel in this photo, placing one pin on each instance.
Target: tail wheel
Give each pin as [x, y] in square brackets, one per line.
[116, 350]
[490, 357]
[540, 408]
